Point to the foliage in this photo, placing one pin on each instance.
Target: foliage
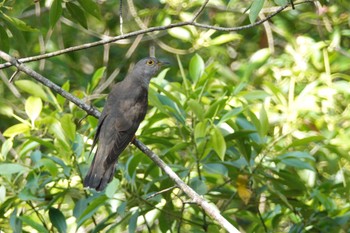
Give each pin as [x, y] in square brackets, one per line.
[256, 121]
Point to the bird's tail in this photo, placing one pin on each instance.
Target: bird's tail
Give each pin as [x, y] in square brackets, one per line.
[99, 175]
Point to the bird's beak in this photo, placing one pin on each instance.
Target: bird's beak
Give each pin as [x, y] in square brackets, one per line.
[163, 63]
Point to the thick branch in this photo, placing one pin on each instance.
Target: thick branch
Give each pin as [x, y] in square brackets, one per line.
[209, 209]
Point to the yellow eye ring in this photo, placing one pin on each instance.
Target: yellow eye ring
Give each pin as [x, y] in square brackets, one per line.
[150, 62]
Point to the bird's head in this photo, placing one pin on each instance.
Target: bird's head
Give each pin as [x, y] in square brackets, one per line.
[148, 67]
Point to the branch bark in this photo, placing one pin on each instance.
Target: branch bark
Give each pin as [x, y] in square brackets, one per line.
[211, 210]
[148, 30]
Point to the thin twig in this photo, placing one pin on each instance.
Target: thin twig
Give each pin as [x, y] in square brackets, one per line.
[199, 11]
[144, 31]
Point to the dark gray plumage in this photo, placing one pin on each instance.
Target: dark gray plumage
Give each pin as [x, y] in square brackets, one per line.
[124, 110]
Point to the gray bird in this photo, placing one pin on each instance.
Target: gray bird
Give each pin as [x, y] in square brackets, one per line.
[124, 110]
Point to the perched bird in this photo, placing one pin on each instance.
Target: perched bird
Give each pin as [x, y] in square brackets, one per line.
[124, 110]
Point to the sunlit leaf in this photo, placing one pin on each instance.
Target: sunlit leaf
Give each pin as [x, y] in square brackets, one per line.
[196, 67]
[218, 142]
[16, 129]
[33, 107]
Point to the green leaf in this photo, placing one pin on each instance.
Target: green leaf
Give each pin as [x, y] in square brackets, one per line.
[58, 220]
[255, 9]
[216, 168]
[6, 147]
[19, 24]
[12, 168]
[37, 226]
[264, 122]
[16, 129]
[57, 130]
[196, 108]
[180, 33]
[15, 222]
[281, 2]
[60, 99]
[97, 77]
[218, 142]
[4, 40]
[33, 107]
[68, 126]
[297, 163]
[91, 209]
[133, 222]
[55, 12]
[50, 166]
[306, 141]
[296, 155]
[91, 7]
[196, 67]
[32, 88]
[77, 13]
[230, 114]
[225, 38]
[199, 186]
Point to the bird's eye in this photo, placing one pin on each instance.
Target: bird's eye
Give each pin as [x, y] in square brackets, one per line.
[150, 62]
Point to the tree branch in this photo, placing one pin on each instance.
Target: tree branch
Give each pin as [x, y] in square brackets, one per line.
[211, 210]
[148, 30]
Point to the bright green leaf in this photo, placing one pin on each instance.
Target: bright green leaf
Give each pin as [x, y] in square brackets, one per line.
[33, 108]
[16, 129]
[97, 77]
[225, 38]
[58, 220]
[180, 33]
[218, 142]
[196, 67]
[68, 126]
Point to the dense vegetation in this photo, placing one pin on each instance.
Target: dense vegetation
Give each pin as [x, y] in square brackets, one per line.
[257, 120]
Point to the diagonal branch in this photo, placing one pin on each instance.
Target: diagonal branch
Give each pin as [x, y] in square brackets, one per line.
[211, 210]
